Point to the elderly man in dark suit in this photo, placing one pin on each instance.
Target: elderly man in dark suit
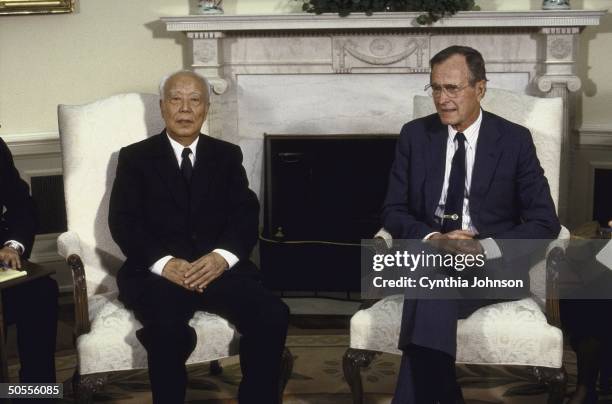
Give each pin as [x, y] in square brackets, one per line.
[462, 174]
[31, 306]
[183, 215]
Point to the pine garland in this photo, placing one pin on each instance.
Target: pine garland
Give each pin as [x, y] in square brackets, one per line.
[435, 9]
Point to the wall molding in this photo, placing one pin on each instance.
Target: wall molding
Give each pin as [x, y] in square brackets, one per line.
[595, 135]
[33, 144]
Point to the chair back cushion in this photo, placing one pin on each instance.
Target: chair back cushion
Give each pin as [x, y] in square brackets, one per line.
[542, 116]
[91, 136]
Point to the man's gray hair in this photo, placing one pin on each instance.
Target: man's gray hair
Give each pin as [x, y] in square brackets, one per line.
[202, 79]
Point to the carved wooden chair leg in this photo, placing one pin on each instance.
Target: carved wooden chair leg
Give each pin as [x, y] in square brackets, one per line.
[215, 368]
[353, 361]
[285, 372]
[85, 387]
[555, 380]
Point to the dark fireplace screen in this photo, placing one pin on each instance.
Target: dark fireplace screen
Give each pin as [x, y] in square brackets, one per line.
[602, 196]
[322, 195]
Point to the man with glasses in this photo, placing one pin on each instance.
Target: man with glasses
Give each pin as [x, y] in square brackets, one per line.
[460, 175]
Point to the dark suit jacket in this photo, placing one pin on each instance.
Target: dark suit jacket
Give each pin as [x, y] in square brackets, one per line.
[509, 195]
[153, 214]
[509, 199]
[18, 222]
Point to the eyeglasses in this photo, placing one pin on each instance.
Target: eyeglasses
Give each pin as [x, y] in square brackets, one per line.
[451, 90]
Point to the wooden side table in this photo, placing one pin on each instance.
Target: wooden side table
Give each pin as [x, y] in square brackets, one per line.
[35, 271]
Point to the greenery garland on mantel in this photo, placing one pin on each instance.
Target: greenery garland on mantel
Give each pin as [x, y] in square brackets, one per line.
[434, 9]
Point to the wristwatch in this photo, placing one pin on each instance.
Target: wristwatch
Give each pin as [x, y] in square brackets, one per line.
[14, 245]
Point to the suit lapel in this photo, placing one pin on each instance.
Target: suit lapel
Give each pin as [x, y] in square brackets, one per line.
[485, 163]
[168, 169]
[203, 171]
[436, 161]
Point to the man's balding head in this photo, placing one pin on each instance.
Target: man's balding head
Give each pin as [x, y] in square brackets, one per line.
[184, 105]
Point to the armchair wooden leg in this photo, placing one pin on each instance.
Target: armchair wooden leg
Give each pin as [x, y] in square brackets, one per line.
[353, 361]
[84, 387]
[285, 373]
[555, 380]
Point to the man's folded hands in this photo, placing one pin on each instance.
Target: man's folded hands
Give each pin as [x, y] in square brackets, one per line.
[197, 275]
[457, 242]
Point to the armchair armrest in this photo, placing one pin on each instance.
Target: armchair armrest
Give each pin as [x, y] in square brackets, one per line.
[69, 247]
[555, 255]
[68, 243]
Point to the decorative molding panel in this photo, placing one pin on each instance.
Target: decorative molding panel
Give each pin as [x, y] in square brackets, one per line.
[407, 54]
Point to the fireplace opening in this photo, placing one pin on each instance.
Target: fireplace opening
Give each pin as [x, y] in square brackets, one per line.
[602, 196]
[322, 195]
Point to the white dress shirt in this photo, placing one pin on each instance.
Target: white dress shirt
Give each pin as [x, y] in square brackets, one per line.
[229, 257]
[471, 140]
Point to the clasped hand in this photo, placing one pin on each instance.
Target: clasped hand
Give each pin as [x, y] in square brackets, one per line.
[457, 242]
[197, 275]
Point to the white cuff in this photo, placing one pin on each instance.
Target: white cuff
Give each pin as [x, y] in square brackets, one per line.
[430, 234]
[159, 265]
[491, 249]
[386, 236]
[21, 247]
[229, 257]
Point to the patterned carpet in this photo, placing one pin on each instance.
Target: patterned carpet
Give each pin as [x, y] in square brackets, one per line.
[317, 378]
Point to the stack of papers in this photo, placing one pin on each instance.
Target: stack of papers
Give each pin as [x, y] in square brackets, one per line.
[6, 274]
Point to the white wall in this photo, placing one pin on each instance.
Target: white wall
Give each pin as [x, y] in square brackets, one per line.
[106, 47]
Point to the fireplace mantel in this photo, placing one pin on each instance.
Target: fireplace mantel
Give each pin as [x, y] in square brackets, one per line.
[313, 22]
[315, 74]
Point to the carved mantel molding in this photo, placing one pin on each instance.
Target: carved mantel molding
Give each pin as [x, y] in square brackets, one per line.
[313, 22]
[540, 45]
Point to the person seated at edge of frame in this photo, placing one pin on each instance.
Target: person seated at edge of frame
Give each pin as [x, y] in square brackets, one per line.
[585, 317]
[459, 174]
[31, 306]
[182, 213]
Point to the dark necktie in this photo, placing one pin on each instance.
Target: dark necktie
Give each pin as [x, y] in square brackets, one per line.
[453, 208]
[186, 167]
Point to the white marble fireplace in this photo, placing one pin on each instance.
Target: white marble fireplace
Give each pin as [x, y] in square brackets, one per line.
[309, 74]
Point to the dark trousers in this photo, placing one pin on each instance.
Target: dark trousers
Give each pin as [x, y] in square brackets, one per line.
[164, 309]
[32, 307]
[428, 339]
[426, 376]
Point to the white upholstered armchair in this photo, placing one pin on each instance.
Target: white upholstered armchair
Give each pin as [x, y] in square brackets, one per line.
[91, 136]
[524, 332]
